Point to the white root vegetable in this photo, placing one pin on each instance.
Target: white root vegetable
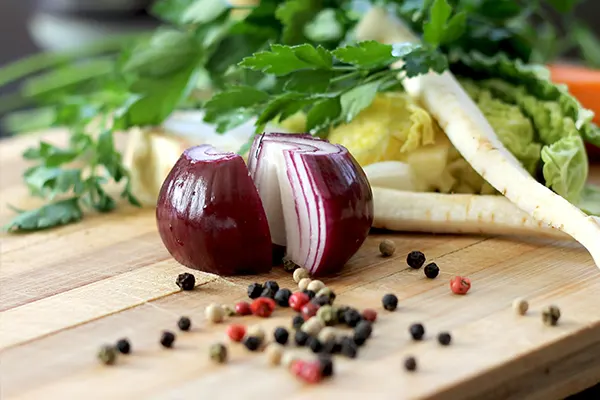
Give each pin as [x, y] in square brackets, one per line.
[393, 175]
[474, 138]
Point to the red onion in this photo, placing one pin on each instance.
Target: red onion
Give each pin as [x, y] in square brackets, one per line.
[210, 217]
[301, 193]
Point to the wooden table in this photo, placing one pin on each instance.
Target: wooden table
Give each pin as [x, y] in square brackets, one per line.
[67, 291]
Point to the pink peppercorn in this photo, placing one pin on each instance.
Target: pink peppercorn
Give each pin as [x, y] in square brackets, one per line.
[460, 285]
[311, 372]
[263, 307]
[298, 300]
[236, 332]
[309, 310]
[243, 308]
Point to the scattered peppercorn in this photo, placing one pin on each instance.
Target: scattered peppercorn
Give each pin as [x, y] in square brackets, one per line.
[313, 326]
[387, 248]
[309, 372]
[520, 306]
[257, 332]
[289, 266]
[325, 365]
[298, 300]
[297, 321]
[228, 310]
[321, 300]
[254, 290]
[300, 274]
[123, 346]
[262, 307]
[186, 281]
[349, 347]
[218, 353]
[390, 302]
[330, 294]
[274, 353]
[281, 335]
[282, 297]
[330, 346]
[314, 344]
[340, 312]
[107, 355]
[326, 334]
[327, 315]
[369, 314]
[243, 308]
[167, 339]
[303, 284]
[268, 293]
[214, 313]
[252, 343]
[460, 285]
[431, 270]
[551, 315]
[352, 317]
[410, 364]
[417, 331]
[236, 332]
[274, 286]
[365, 328]
[184, 323]
[309, 310]
[310, 293]
[300, 338]
[288, 358]
[415, 259]
[315, 286]
[444, 338]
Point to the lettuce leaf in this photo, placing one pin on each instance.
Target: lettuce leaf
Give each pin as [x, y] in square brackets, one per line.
[590, 200]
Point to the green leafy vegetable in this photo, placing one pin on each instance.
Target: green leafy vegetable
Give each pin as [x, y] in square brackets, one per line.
[48, 216]
[590, 200]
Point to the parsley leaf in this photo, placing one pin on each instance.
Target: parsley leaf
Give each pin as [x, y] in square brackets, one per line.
[357, 99]
[325, 112]
[203, 11]
[309, 81]
[48, 216]
[367, 54]
[282, 60]
[233, 107]
[294, 15]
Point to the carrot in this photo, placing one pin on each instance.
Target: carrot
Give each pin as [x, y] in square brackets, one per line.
[583, 83]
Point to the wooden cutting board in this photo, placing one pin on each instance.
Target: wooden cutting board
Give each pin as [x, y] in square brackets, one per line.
[67, 291]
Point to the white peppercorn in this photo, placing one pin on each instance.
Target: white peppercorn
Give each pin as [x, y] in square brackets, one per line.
[313, 326]
[274, 353]
[299, 274]
[303, 284]
[520, 306]
[315, 286]
[328, 333]
[256, 331]
[288, 358]
[214, 313]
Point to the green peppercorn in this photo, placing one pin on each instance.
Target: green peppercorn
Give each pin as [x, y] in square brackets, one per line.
[327, 315]
[290, 266]
[327, 292]
[218, 353]
[107, 355]
[551, 315]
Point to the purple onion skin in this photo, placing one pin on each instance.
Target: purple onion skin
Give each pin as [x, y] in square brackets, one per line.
[210, 217]
[348, 204]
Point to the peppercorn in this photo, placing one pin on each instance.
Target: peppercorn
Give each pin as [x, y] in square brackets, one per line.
[460, 285]
[186, 281]
[288, 358]
[387, 248]
[327, 315]
[314, 344]
[315, 286]
[349, 348]
[415, 259]
[281, 335]
[228, 310]
[325, 365]
[311, 294]
[369, 314]
[297, 321]
[551, 315]
[274, 353]
[252, 343]
[444, 338]
[167, 338]
[262, 307]
[298, 300]
[330, 294]
[330, 346]
[309, 310]
[184, 323]
[309, 372]
[358, 339]
[431, 270]
[282, 297]
[257, 332]
[268, 293]
[326, 334]
[313, 326]
[107, 355]
[236, 332]
[352, 317]
[290, 266]
[417, 331]
[218, 353]
[214, 313]
[300, 274]
[410, 364]
[274, 286]
[123, 346]
[390, 302]
[340, 312]
[300, 338]
[303, 284]
[520, 306]
[254, 290]
[243, 308]
[321, 300]
[365, 328]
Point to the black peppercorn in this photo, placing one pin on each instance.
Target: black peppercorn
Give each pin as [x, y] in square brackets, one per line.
[123, 346]
[359, 339]
[184, 323]
[329, 346]
[281, 335]
[390, 302]
[282, 297]
[274, 286]
[321, 301]
[268, 292]
[340, 312]
[186, 281]
[444, 338]
[352, 317]
[410, 364]
[314, 344]
[325, 365]
[252, 343]
[431, 270]
[415, 259]
[254, 290]
[349, 348]
[310, 293]
[300, 337]
[363, 329]
[297, 321]
[167, 338]
[417, 331]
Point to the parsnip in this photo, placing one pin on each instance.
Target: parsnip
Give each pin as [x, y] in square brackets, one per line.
[472, 135]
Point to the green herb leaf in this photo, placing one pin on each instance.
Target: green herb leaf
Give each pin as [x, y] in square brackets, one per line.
[367, 54]
[279, 105]
[588, 43]
[324, 27]
[564, 6]
[204, 11]
[309, 81]
[420, 60]
[170, 10]
[233, 107]
[282, 60]
[323, 113]
[434, 28]
[357, 99]
[294, 15]
[48, 216]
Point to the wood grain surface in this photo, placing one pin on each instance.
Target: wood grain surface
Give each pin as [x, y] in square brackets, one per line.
[65, 292]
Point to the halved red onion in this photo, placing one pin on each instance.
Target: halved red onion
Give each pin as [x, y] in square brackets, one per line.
[210, 216]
